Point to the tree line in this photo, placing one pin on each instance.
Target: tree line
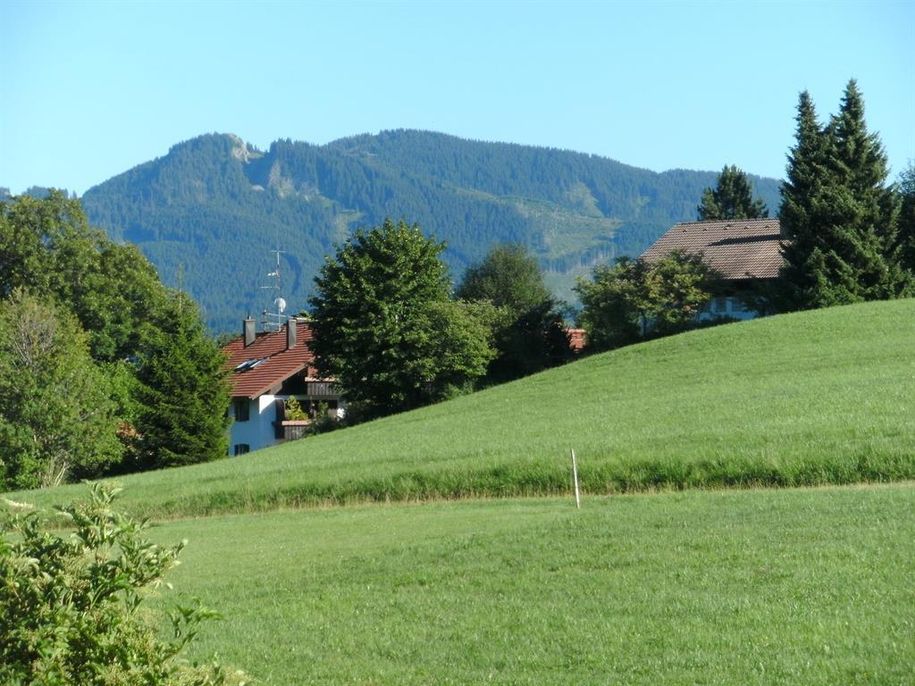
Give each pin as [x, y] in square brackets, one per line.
[389, 330]
[102, 368]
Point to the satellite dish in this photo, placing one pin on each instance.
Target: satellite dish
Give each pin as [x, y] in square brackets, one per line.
[280, 304]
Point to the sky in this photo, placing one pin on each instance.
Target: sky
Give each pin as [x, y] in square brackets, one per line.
[90, 89]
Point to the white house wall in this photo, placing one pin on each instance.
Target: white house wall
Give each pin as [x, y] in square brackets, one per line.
[258, 432]
[726, 306]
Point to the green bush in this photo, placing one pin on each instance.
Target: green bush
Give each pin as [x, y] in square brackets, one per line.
[71, 605]
[294, 410]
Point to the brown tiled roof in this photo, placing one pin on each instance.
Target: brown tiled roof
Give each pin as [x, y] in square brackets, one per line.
[738, 248]
[277, 362]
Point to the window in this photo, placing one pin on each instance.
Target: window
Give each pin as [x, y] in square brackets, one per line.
[241, 409]
[719, 305]
[242, 448]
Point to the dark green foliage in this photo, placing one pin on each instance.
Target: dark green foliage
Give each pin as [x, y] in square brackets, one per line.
[71, 608]
[732, 198]
[385, 328]
[635, 299]
[678, 287]
[838, 216]
[182, 393]
[57, 420]
[212, 202]
[613, 304]
[906, 236]
[531, 333]
[508, 277]
[20, 249]
[48, 247]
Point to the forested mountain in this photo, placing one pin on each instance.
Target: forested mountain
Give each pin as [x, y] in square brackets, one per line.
[209, 212]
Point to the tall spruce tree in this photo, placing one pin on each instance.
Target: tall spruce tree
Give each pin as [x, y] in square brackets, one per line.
[732, 198]
[867, 205]
[802, 248]
[837, 214]
[182, 393]
[905, 237]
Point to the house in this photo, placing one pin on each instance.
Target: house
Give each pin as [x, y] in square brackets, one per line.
[745, 252]
[267, 369]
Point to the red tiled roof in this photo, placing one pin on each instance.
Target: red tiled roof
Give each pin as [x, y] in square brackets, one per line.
[738, 248]
[278, 363]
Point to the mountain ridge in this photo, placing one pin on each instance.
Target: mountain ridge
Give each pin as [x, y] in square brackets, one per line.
[209, 211]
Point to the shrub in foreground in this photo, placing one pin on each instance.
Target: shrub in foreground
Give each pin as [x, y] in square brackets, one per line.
[71, 605]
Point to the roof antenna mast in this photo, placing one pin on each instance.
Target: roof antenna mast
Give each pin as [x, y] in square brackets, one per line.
[273, 321]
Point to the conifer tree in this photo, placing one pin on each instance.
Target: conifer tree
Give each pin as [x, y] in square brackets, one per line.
[147, 343]
[732, 198]
[806, 174]
[866, 206]
[905, 237]
[183, 393]
[837, 214]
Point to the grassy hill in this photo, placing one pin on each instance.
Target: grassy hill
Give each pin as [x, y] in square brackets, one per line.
[754, 586]
[802, 399]
[214, 201]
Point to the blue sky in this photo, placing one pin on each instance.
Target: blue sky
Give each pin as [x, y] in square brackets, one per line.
[90, 89]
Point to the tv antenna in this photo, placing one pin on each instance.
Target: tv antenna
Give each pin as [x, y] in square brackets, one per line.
[273, 321]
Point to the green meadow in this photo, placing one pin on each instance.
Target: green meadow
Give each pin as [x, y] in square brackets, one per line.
[825, 397]
[810, 586]
[443, 546]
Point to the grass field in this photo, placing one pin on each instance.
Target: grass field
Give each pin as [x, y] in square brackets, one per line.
[811, 586]
[409, 585]
[803, 399]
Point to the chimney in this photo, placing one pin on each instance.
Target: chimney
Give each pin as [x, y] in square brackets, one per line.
[291, 326]
[248, 331]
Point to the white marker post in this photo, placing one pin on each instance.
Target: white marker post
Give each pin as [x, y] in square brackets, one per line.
[575, 480]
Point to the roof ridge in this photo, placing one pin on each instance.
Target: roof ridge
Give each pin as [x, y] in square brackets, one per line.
[729, 221]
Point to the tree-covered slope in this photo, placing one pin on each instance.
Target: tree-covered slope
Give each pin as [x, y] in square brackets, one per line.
[208, 213]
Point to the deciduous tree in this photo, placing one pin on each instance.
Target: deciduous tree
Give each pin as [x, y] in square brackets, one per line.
[71, 606]
[531, 334]
[384, 326]
[635, 299]
[135, 327]
[56, 416]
